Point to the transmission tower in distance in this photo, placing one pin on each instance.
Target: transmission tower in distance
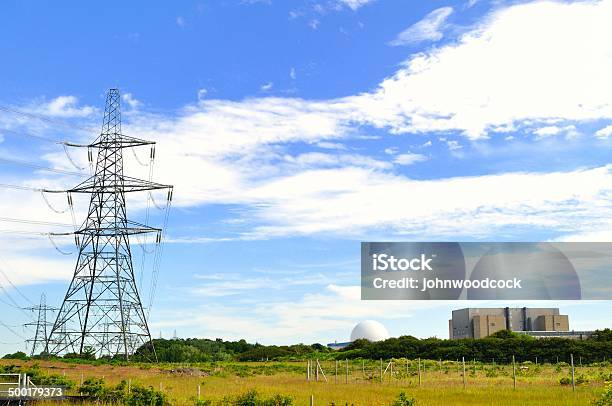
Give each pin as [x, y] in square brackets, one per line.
[42, 325]
[102, 312]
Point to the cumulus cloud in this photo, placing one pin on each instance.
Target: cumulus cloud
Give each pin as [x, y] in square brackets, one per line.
[354, 4]
[409, 158]
[64, 106]
[604, 132]
[549, 131]
[428, 29]
[505, 72]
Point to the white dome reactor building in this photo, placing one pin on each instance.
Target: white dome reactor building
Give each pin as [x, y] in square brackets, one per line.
[366, 330]
[369, 330]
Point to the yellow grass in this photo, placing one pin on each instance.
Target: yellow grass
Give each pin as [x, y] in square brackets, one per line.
[180, 383]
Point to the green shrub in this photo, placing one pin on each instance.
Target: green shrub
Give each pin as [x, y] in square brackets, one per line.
[93, 387]
[145, 396]
[606, 396]
[252, 398]
[17, 355]
[404, 400]
[137, 395]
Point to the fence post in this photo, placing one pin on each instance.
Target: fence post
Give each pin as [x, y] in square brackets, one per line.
[381, 372]
[317, 368]
[464, 378]
[336, 378]
[311, 400]
[130, 386]
[573, 381]
[307, 370]
[199, 392]
[419, 371]
[514, 371]
[346, 380]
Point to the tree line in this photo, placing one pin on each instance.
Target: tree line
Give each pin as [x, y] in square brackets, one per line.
[499, 347]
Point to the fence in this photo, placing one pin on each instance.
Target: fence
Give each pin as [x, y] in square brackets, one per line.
[416, 371]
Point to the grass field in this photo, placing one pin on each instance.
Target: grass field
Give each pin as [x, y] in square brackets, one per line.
[441, 384]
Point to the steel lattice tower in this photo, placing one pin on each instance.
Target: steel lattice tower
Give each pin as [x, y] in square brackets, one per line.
[102, 311]
[40, 336]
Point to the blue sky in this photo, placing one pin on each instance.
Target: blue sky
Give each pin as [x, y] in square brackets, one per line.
[294, 130]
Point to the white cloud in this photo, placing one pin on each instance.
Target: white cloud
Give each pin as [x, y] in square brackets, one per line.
[428, 29]
[453, 145]
[129, 99]
[320, 160]
[391, 150]
[202, 93]
[292, 73]
[267, 86]
[330, 145]
[549, 131]
[180, 21]
[64, 106]
[35, 269]
[604, 132]
[314, 23]
[506, 71]
[353, 200]
[409, 158]
[354, 4]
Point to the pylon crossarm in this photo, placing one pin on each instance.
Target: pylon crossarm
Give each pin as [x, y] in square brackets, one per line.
[122, 183]
[121, 141]
[116, 231]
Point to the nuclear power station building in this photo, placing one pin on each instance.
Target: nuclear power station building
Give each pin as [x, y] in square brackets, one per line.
[482, 322]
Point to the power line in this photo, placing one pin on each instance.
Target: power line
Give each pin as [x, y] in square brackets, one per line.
[18, 187]
[34, 222]
[36, 166]
[13, 285]
[11, 330]
[26, 134]
[14, 303]
[44, 118]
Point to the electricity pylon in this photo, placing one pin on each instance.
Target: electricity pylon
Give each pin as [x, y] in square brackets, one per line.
[40, 336]
[102, 311]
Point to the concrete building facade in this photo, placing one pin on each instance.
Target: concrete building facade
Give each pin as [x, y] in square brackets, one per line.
[482, 322]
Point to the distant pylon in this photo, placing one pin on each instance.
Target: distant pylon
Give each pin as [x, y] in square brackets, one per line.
[102, 312]
[40, 336]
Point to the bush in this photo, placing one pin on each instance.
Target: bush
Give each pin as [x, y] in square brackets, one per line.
[252, 398]
[17, 355]
[93, 387]
[37, 376]
[403, 400]
[138, 395]
[606, 396]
